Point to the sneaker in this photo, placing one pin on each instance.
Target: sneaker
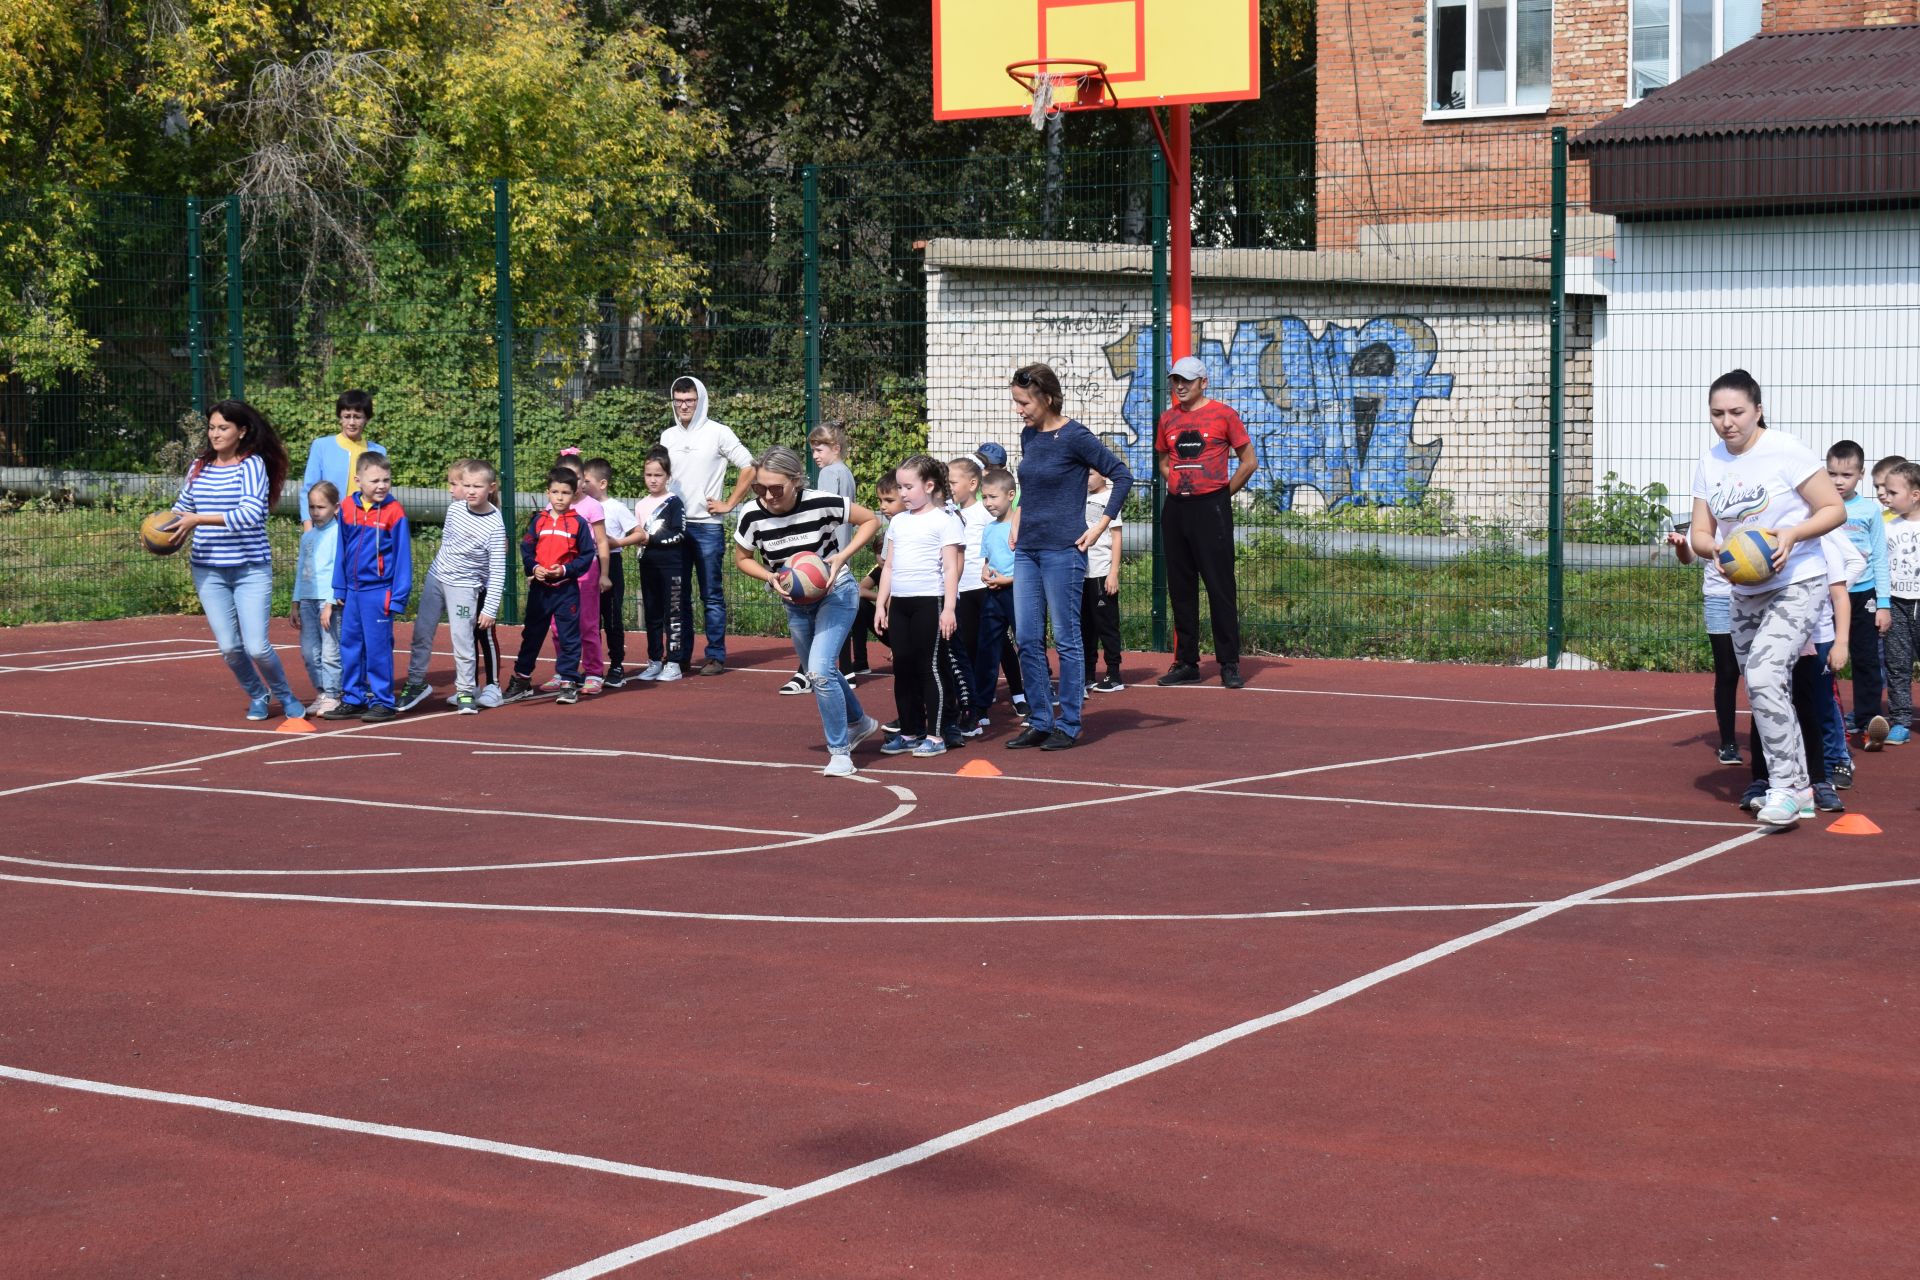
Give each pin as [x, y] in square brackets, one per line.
[378, 713]
[1754, 796]
[1180, 673]
[257, 709]
[899, 744]
[1896, 736]
[466, 704]
[651, 671]
[616, 676]
[859, 733]
[839, 767]
[1729, 754]
[891, 726]
[593, 685]
[669, 672]
[491, 697]
[554, 685]
[1020, 704]
[1782, 809]
[796, 683]
[568, 695]
[293, 710]
[1058, 741]
[1878, 731]
[321, 705]
[518, 689]
[954, 738]
[453, 698]
[713, 667]
[984, 724]
[1841, 775]
[1024, 739]
[1230, 678]
[1825, 799]
[1106, 684]
[412, 696]
[344, 711]
[929, 746]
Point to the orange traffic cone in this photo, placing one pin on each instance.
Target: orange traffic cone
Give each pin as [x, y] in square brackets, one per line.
[1854, 824]
[977, 768]
[301, 725]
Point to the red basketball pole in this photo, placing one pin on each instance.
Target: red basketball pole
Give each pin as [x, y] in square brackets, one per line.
[1179, 149]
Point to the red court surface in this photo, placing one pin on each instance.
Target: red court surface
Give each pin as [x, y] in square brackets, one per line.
[1367, 970]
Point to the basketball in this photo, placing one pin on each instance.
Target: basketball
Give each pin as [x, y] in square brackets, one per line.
[156, 533]
[1748, 556]
[805, 577]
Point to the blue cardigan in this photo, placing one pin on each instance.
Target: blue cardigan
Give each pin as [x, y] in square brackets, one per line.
[1053, 484]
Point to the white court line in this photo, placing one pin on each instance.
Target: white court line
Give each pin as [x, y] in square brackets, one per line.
[457, 810]
[1483, 808]
[1126, 1075]
[136, 724]
[1422, 697]
[358, 755]
[431, 1137]
[85, 648]
[188, 768]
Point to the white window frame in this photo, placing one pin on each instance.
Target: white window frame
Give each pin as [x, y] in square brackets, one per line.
[1673, 42]
[1472, 109]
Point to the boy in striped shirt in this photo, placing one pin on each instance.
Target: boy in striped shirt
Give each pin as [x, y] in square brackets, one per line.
[464, 583]
[372, 578]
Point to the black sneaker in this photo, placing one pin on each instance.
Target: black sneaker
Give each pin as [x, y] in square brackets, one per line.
[1180, 673]
[378, 713]
[518, 689]
[1754, 796]
[891, 726]
[1841, 776]
[466, 704]
[1230, 678]
[616, 676]
[345, 711]
[413, 695]
[1020, 704]
[1106, 684]
[1729, 754]
[568, 695]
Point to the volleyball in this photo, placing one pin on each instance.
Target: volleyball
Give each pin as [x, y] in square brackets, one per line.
[805, 577]
[156, 533]
[1748, 556]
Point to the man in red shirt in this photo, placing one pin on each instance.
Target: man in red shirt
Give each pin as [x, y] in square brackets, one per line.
[1196, 440]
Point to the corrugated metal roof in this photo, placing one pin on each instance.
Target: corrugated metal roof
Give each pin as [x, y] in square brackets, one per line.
[1782, 81]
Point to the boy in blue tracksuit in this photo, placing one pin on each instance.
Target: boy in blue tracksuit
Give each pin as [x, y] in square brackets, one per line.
[372, 578]
[1872, 595]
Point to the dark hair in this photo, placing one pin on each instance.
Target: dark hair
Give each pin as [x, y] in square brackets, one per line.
[565, 476]
[1042, 379]
[372, 459]
[358, 400]
[1887, 464]
[599, 468]
[965, 466]
[931, 470]
[684, 384]
[257, 436]
[887, 483]
[660, 455]
[327, 490]
[1908, 471]
[1847, 451]
[1742, 381]
[997, 477]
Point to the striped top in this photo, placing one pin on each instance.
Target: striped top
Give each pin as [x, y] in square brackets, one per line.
[810, 526]
[473, 550]
[237, 491]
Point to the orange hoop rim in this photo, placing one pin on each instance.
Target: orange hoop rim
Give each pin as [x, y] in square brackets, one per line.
[1027, 75]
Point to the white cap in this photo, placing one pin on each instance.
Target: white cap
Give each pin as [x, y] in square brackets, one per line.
[1189, 368]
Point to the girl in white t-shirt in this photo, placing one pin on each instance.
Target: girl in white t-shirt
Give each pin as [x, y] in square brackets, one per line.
[1756, 478]
[919, 586]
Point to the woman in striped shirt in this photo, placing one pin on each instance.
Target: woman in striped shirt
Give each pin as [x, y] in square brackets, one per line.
[230, 488]
[784, 519]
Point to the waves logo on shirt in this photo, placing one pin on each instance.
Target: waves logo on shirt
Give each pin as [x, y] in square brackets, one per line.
[1738, 503]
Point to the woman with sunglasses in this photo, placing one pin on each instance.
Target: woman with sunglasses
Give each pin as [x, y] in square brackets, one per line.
[1050, 537]
[784, 518]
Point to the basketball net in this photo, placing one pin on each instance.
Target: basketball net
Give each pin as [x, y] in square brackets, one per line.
[1042, 101]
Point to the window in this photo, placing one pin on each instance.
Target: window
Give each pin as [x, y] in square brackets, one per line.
[1489, 54]
[1673, 37]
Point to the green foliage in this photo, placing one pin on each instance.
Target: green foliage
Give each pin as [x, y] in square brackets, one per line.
[1620, 514]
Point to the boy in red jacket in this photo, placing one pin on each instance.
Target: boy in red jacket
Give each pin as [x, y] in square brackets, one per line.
[556, 549]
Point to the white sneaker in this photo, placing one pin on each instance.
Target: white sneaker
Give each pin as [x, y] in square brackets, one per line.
[669, 672]
[322, 705]
[839, 767]
[652, 672]
[859, 733]
[1782, 809]
[491, 697]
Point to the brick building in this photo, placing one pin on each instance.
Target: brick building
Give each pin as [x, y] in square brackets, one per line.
[1436, 111]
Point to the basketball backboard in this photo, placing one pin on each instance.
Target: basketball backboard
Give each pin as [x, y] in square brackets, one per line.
[1158, 52]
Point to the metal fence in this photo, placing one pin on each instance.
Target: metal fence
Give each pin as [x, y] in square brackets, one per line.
[1475, 395]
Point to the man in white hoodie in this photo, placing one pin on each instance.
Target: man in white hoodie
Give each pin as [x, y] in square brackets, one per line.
[701, 449]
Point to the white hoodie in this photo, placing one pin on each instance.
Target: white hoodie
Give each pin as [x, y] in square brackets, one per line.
[700, 452]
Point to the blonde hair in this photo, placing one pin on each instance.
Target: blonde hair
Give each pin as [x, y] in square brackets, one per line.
[782, 461]
[829, 433]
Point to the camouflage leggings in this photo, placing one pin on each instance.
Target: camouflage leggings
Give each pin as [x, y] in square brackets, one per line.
[1769, 631]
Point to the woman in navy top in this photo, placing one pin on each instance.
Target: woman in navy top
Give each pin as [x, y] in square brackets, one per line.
[1050, 537]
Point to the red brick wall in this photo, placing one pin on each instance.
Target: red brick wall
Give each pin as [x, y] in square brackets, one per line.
[1379, 162]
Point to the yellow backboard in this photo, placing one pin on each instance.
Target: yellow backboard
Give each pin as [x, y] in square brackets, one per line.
[1157, 51]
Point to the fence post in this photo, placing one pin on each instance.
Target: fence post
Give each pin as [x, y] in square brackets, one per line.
[236, 345]
[1556, 410]
[1157, 486]
[509, 611]
[196, 304]
[810, 278]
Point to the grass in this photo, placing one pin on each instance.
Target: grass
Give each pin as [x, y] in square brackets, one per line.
[79, 563]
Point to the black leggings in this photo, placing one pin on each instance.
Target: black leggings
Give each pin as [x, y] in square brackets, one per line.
[1726, 683]
[925, 691]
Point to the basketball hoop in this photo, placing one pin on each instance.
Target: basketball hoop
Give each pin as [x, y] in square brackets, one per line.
[1043, 78]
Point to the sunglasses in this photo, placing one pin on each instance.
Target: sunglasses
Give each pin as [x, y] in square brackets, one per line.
[768, 490]
[1023, 379]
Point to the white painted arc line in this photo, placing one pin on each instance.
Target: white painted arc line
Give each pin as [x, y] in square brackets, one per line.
[358, 755]
[1126, 1075]
[416, 807]
[1482, 808]
[120, 644]
[430, 1137]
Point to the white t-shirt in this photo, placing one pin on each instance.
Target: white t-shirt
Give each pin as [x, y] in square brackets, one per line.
[1759, 489]
[916, 543]
[1903, 558]
[700, 459]
[974, 521]
[619, 520]
[1100, 554]
[1843, 564]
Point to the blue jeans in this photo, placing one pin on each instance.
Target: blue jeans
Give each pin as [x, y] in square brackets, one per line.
[1046, 587]
[320, 647]
[239, 600]
[1833, 731]
[818, 631]
[707, 544]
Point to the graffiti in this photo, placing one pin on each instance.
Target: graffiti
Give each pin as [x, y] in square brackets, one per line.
[1332, 413]
[1098, 322]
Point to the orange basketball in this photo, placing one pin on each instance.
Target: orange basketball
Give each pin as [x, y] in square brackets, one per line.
[156, 533]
